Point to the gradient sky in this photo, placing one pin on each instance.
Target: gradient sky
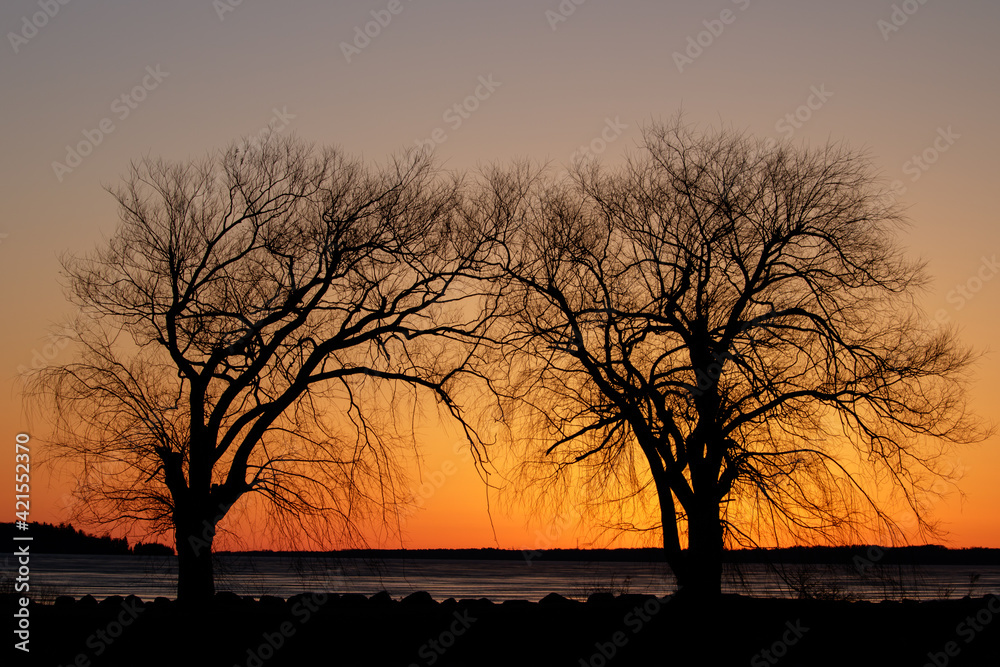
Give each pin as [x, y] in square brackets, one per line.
[923, 83]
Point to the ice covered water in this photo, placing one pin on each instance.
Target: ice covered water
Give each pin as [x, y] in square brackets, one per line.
[285, 575]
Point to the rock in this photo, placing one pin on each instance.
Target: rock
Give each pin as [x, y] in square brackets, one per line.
[271, 602]
[419, 599]
[135, 601]
[517, 604]
[353, 600]
[601, 598]
[111, 602]
[381, 598]
[228, 597]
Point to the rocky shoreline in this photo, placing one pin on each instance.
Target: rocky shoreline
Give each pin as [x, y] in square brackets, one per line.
[605, 631]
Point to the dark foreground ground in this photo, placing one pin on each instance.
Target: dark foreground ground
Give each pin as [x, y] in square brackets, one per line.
[606, 631]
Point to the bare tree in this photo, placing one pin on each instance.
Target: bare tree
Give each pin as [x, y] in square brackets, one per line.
[248, 327]
[726, 328]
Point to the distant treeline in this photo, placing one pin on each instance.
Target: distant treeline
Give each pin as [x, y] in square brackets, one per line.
[915, 555]
[65, 539]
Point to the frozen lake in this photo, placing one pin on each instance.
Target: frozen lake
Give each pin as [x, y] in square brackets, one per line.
[256, 575]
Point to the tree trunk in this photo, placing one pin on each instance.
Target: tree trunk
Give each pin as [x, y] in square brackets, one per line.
[676, 558]
[699, 567]
[195, 574]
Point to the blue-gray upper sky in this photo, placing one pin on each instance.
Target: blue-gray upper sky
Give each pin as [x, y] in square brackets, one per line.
[902, 79]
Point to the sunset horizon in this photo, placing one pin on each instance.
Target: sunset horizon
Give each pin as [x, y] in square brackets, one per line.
[522, 276]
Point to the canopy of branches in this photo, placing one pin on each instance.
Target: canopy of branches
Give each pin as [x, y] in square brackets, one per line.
[723, 327]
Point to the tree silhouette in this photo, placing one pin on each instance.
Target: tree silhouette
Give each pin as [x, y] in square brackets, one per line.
[247, 329]
[730, 325]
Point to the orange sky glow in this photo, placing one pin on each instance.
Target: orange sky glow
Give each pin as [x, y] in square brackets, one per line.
[121, 81]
